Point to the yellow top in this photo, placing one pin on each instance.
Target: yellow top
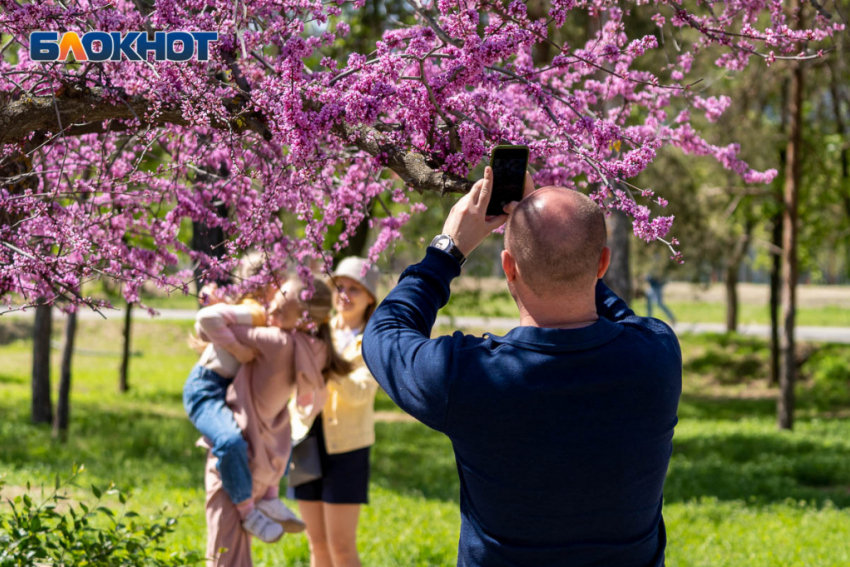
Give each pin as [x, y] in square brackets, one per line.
[348, 412]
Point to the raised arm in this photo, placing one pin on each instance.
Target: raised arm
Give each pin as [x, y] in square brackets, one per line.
[415, 370]
[410, 366]
[214, 324]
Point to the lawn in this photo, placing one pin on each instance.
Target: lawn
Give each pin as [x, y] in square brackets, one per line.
[738, 492]
[500, 304]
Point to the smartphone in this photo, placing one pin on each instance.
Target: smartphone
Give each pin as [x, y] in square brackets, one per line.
[509, 164]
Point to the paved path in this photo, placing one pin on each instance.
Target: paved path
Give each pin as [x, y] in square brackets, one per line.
[497, 324]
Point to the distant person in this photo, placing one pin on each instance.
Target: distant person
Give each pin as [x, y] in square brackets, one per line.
[654, 295]
[344, 431]
[562, 429]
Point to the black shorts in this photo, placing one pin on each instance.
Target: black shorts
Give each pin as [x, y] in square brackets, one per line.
[345, 476]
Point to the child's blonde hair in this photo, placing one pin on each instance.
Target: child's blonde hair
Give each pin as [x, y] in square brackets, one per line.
[250, 265]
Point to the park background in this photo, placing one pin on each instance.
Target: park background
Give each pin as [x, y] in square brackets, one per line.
[739, 490]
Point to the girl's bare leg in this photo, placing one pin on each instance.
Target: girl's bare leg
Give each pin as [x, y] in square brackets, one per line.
[341, 523]
[317, 535]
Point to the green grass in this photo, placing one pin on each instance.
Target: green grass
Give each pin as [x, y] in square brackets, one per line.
[738, 491]
[500, 304]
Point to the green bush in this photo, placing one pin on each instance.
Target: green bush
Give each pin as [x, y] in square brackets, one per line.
[830, 379]
[58, 533]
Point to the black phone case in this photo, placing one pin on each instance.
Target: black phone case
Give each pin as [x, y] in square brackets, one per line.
[502, 194]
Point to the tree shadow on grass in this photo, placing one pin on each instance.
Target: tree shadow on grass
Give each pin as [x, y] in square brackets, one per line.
[752, 461]
[13, 329]
[411, 459]
[724, 408]
[11, 379]
[729, 358]
[136, 448]
[130, 447]
[159, 396]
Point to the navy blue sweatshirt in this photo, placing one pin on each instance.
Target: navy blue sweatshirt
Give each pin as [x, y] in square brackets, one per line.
[562, 437]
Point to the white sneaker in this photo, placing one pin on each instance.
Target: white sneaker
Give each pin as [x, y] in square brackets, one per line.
[277, 511]
[262, 527]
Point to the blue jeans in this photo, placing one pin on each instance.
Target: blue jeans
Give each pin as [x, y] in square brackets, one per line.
[653, 295]
[203, 399]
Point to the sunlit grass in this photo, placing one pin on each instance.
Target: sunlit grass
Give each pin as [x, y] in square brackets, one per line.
[500, 304]
[738, 491]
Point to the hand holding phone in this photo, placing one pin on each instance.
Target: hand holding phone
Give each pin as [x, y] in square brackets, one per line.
[509, 165]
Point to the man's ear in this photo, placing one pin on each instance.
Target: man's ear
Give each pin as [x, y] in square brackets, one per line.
[508, 265]
[604, 262]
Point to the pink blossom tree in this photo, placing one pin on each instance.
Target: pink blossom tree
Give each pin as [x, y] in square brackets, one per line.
[103, 165]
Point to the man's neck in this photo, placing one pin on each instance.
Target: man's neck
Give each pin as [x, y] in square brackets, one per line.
[553, 314]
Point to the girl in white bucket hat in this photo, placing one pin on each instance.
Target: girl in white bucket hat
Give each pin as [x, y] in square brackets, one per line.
[344, 431]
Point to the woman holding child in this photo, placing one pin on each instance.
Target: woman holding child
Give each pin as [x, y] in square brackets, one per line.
[277, 355]
[245, 420]
[344, 431]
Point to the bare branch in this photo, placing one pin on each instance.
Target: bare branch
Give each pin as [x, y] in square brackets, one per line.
[820, 9]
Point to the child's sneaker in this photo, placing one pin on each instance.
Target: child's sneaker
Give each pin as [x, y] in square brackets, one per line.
[262, 527]
[277, 511]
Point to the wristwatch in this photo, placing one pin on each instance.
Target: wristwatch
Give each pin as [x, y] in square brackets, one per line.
[445, 243]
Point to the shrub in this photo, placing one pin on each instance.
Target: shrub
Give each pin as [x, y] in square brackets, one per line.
[59, 533]
[830, 379]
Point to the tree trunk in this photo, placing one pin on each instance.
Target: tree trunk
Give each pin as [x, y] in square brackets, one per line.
[835, 91]
[42, 407]
[733, 266]
[210, 241]
[123, 383]
[619, 275]
[776, 269]
[357, 242]
[540, 9]
[63, 404]
[787, 377]
[775, 275]
[732, 297]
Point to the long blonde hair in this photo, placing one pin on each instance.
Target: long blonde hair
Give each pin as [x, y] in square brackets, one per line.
[318, 308]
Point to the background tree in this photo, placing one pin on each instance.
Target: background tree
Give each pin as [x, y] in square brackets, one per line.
[42, 406]
[63, 404]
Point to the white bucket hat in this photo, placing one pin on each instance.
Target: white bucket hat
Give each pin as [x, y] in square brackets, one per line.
[352, 267]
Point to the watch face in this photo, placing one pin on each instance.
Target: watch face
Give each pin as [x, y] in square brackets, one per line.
[442, 242]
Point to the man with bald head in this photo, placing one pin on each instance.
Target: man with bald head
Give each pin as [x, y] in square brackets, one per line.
[562, 429]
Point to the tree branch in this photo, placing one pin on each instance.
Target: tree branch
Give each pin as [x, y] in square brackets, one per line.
[411, 166]
[85, 112]
[432, 23]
